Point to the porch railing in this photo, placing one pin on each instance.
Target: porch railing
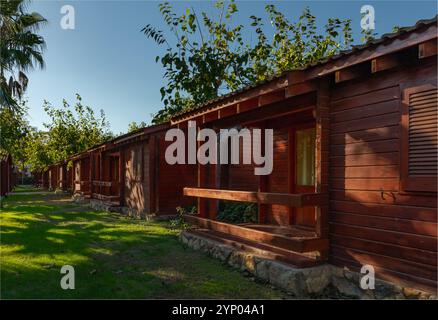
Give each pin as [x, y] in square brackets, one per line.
[318, 242]
[107, 191]
[287, 199]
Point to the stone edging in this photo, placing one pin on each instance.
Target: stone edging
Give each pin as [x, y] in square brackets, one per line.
[301, 282]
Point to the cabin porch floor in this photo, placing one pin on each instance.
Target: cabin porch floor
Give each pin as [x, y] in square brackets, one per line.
[261, 249]
[289, 244]
[288, 231]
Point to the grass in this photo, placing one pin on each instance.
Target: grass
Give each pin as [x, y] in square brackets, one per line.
[113, 256]
[25, 189]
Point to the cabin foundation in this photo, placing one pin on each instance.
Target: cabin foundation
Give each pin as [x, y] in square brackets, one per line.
[298, 281]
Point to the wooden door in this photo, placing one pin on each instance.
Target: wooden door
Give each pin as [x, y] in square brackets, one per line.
[303, 176]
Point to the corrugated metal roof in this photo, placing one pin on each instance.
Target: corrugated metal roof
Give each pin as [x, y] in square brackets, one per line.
[387, 37]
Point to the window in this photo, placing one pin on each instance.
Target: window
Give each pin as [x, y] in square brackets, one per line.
[305, 157]
[419, 139]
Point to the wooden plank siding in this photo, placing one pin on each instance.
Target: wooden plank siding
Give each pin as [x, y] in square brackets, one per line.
[136, 193]
[7, 175]
[278, 180]
[372, 221]
[241, 177]
[171, 179]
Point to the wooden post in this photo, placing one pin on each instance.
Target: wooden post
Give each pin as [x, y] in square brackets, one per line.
[322, 158]
[152, 184]
[263, 179]
[213, 180]
[291, 171]
[90, 178]
[157, 174]
[202, 203]
[121, 177]
[100, 172]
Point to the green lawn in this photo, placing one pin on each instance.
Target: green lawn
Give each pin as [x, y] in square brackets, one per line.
[25, 188]
[113, 256]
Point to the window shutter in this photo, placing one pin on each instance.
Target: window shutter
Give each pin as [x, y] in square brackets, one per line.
[419, 139]
[423, 133]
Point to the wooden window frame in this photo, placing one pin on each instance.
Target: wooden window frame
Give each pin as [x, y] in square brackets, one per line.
[408, 183]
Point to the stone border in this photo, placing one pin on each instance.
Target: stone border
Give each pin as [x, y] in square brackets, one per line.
[301, 282]
[79, 198]
[130, 212]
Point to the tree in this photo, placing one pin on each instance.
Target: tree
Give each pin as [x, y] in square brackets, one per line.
[295, 45]
[73, 129]
[20, 49]
[207, 59]
[212, 57]
[14, 128]
[36, 149]
[133, 126]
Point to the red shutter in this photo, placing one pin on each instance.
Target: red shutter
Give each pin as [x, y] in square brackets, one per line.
[419, 139]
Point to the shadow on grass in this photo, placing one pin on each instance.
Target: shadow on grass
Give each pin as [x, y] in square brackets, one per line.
[113, 256]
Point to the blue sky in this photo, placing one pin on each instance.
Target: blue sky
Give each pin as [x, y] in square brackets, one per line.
[109, 62]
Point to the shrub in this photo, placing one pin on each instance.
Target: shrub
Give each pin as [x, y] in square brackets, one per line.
[178, 222]
[237, 212]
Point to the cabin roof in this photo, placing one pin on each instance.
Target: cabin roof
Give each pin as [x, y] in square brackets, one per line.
[384, 40]
[122, 139]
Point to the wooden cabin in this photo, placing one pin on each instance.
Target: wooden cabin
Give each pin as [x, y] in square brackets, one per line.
[354, 165]
[129, 173]
[44, 179]
[37, 177]
[64, 176]
[148, 182]
[53, 177]
[7, 175]
[81, 174]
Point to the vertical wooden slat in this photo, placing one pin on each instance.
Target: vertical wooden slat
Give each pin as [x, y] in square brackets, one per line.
[90, 173]
[157, 174]
[213, 205]
[321, 157]
[263, 179]
[152, 182]
[291, 173]
[202, 203]
[122, 172]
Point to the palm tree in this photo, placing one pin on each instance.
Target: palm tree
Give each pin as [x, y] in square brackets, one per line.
[20, 48]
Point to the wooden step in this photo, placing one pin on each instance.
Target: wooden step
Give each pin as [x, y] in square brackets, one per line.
[294, 241]
[260, 249]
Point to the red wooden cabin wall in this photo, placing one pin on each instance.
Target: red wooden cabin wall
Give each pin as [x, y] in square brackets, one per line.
[170, 181]
[372, 221]
[136, 180]
[7, 175]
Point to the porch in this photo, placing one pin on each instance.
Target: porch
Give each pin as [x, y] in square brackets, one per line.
[106, 182]
[294, 244]
[81, 175]
[292, 201]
